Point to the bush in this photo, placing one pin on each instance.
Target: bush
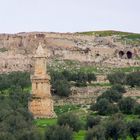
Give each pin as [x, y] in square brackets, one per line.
[137, 109]
[6, 136]
[62, 88]
[71, 120]
[58, 133]
[97, 133]
[79, 77]
[93, 107]
[92, 121]
[126, 105]
[118, 88]
[111, 95]
[115, 129]
[20, 79]
[133, 79]
[134, 129]
[117, 78]
[15, 117]
[104, 107]
[91, 77]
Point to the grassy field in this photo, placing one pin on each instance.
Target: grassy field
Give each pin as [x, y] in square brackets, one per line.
[66, 108]
[80, 135]
[45, 122]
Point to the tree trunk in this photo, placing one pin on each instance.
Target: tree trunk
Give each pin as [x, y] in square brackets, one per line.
[115, 137]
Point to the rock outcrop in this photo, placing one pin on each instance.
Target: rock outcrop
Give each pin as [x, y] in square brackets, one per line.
[16, 50]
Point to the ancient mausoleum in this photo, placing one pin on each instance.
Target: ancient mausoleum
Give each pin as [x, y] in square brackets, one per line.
[41, 102]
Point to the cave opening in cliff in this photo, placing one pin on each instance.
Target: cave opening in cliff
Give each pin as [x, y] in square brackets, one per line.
[129, 55]
[121, 53]
[97, 55]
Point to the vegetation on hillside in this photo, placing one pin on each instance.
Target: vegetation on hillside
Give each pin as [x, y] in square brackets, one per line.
[105, 33]
[104, 119]
[16, 123]
[125, 37]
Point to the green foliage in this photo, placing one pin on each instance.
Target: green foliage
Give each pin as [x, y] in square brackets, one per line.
[104, 107]
[115, 129]
[126, 105]
[15, 120]
[105, 33]
[60, 81]
[65, 108]
[3, 49]
[71, 120]
[134, 129]
[137, 109]
[57, 132]
[14, 79]
[117, 78]
[127, 69]
[83, 78]
[120, 78]
[132, 36]
[111, 95]
[92, 121]
[119, 88]
[129, 38]
[133, 79]
[97, 132]
[106, 103]
[62, 88]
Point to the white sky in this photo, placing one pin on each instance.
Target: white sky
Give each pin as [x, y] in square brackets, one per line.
[69, 15]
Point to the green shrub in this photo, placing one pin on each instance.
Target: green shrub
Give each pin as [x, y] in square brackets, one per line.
[15, 118]
[111, 95]
[119, 88]
[133, 79]
[59, 133]
[117, 78]
[115, 129]
[3, 49]
[14, 79]
[97, 133]
[134, 129]
[137, 109]
[92, 121]
[62, 88]
[71, 120]
[104, 107]
[126, 105]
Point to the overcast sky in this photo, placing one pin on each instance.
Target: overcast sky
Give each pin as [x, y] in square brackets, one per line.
[69, 15]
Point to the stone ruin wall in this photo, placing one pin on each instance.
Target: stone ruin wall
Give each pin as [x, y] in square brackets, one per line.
[19, 49]
[83, 95]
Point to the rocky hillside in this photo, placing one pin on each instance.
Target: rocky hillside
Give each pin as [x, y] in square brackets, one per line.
[104, 48]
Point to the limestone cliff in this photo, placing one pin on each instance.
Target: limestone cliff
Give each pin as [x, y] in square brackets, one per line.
[16, 50]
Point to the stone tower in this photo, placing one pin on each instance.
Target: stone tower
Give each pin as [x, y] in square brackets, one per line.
[41, 103]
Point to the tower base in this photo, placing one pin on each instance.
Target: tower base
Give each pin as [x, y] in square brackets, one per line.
[41, 107]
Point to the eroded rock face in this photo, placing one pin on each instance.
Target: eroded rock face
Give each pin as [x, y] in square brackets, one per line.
[16, 50]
